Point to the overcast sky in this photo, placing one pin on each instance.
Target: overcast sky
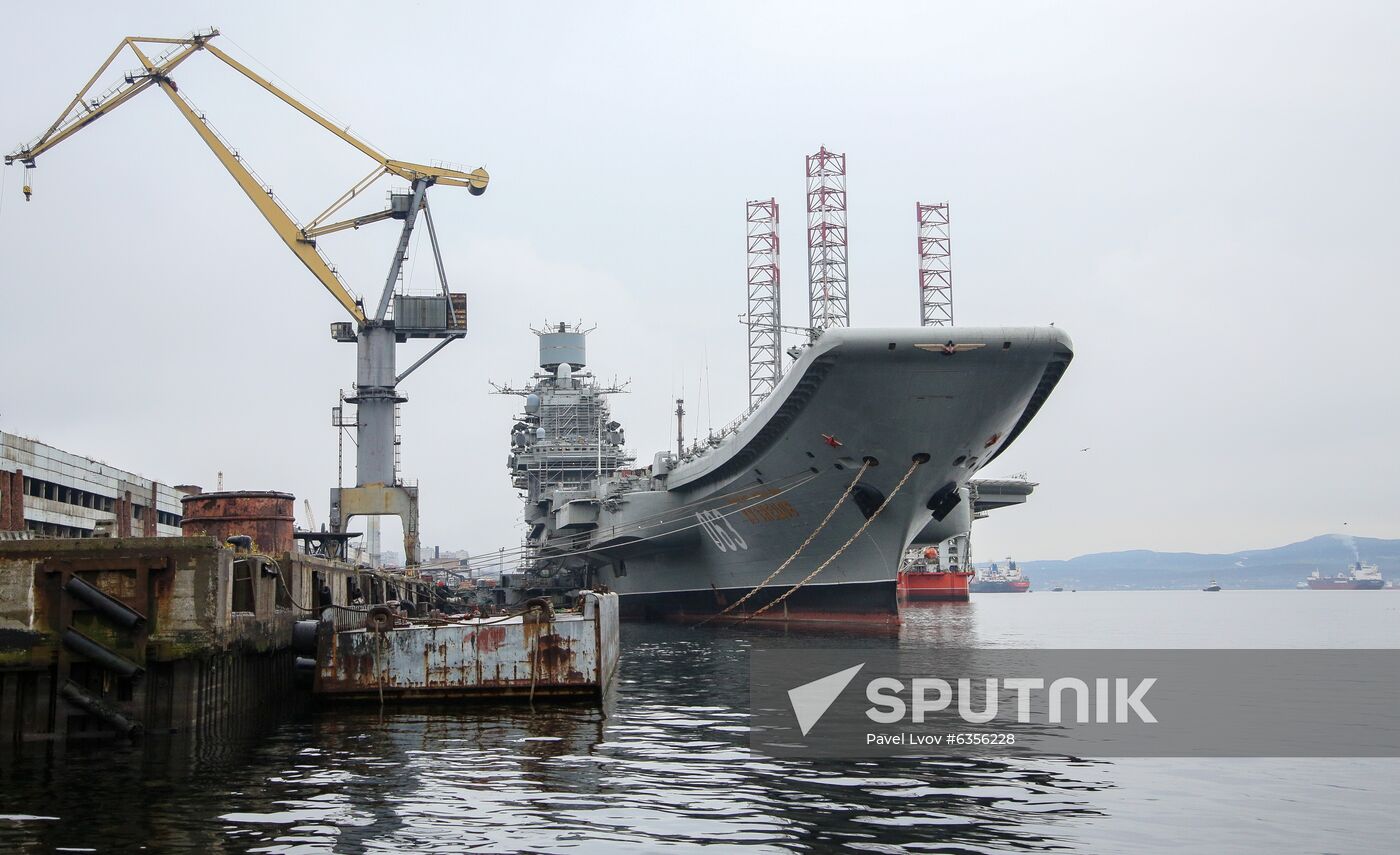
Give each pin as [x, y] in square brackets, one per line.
[1204, 195]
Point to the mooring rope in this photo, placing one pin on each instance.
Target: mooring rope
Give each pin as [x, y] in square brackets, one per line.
[793, 557]
[918, 461]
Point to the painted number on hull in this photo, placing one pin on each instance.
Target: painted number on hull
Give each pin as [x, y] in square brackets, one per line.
[721, 531]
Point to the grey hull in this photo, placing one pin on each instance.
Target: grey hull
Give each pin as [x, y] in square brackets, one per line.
[722, 521]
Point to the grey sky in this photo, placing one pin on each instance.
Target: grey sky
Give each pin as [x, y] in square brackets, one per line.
[1203, 195]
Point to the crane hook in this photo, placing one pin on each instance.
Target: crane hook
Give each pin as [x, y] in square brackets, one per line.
[28, 182]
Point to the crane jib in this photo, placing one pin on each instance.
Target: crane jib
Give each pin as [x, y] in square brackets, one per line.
[83, 110]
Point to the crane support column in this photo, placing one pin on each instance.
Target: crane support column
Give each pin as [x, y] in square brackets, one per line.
[375, 397]
[377, 491]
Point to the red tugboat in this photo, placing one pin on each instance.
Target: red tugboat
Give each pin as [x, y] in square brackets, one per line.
[997, 581]
[922, 579]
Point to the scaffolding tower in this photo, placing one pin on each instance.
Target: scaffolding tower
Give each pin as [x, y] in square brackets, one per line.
[935, 266]
[764, 314]
[826, 240]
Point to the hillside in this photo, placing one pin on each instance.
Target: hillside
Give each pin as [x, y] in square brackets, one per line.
[1280, 567]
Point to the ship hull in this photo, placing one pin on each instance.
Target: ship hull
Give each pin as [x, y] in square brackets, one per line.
[847, 603]
[708, 528]
[1346, 584]
[1019, 587]
[930, 587]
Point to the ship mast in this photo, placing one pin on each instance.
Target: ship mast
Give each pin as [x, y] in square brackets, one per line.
[680, 427]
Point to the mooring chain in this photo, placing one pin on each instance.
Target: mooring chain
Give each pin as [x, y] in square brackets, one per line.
[793, 557]
[837, 554]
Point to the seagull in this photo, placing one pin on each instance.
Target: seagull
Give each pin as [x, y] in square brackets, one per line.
[1085, 449]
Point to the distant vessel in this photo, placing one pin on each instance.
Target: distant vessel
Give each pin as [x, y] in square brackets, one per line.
[1360, 577]
[1213, 586]
[1057, 589]
[995, 580]
[922, 578]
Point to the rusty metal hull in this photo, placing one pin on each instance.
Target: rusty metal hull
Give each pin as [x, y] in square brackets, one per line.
[567, 655]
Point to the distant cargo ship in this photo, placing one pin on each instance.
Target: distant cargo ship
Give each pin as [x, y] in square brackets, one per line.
[1360, 577]
[922, 579]
[995, 580]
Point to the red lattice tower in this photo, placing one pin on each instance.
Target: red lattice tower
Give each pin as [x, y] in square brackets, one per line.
[827, 296]
[765, 311]
[935, 266]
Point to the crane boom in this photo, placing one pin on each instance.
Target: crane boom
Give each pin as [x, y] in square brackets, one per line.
[282, 223]
[82, 111]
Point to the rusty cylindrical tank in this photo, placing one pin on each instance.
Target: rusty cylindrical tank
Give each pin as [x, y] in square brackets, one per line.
[265, 516]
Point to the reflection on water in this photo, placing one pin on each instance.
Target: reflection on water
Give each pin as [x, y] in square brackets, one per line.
[665, 762]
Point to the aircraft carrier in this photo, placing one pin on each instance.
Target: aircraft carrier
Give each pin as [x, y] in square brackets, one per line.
[695, 530]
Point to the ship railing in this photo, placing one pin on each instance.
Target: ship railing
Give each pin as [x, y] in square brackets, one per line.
[714, 438]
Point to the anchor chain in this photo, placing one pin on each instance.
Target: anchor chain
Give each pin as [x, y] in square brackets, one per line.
[793, 557]
[918, 461]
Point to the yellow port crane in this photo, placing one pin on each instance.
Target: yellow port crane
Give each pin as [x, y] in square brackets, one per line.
[378, 490]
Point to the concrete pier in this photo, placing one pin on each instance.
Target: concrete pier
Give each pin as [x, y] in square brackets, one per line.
[113, 636]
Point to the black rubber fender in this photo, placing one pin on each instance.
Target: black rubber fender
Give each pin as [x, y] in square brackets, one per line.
[380, 619]
[304, 636]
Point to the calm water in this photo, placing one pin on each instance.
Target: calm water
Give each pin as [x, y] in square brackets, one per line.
[667, 763]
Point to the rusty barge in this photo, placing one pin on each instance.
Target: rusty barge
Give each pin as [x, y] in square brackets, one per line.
[380, 654]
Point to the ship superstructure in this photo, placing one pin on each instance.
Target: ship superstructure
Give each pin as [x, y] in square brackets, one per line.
[564, 443]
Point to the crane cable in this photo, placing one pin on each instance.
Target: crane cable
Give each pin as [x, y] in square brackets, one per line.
[793, 557]
[918, 461]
